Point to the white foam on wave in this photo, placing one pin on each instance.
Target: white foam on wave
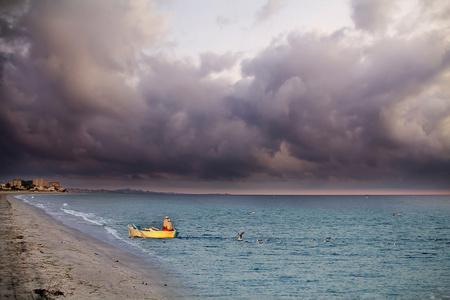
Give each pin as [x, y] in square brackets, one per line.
[99, 221]
[91, 218]
[141, 251]
[88, 217]
[41, 206]
[28, 200]
[22, 197]
[25, 201]
[113, 232]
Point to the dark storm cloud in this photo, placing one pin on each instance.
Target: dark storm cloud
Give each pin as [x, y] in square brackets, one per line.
[348, 108]
[68, 78]
[82, 95]
[84, 100]
[357, 111]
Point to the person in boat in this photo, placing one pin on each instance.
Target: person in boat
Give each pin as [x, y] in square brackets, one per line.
[166, 220]
[169, 225]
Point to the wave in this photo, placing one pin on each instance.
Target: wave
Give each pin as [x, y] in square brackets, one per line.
[69, 216]
[139, 250]
[27, 200]
[88, 217]
[113, 232]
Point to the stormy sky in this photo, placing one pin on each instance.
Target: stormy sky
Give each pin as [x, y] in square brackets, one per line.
[277, 96]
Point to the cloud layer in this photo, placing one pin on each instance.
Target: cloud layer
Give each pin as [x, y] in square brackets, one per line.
[86, 91]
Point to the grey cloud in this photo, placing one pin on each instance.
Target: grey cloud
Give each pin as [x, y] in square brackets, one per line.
[73, 76]
[313, 109]
[337, 115]
[269, 9]
[212, 63]
[373, 16]
[186, 126]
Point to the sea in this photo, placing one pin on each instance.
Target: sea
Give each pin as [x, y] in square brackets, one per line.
[294, 247]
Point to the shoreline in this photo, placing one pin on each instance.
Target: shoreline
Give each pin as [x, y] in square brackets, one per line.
[44, 259]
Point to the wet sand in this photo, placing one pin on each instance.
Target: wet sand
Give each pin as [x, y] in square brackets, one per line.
[41, 258]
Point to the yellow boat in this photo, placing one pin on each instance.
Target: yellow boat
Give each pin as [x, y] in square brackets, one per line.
[150, 233]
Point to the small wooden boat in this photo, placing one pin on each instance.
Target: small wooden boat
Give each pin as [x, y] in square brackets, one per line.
[150, 233]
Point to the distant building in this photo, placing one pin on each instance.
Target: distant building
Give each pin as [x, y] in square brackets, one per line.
[55, 184]
[40, 183]
[27, 184]
[17, 182]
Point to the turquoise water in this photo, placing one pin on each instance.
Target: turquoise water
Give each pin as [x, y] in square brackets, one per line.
[307, 247]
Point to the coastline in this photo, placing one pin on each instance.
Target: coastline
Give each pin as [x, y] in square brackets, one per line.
[45, 259]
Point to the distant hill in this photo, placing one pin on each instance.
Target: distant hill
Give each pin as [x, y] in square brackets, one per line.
[119, 191]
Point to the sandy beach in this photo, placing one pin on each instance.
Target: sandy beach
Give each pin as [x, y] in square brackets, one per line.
[41, 258]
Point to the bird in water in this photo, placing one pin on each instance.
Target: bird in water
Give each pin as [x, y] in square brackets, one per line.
[240, 236]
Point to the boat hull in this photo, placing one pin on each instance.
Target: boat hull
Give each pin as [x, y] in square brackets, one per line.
[150, 233]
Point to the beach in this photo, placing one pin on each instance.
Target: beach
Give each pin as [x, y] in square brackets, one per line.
[41, 258]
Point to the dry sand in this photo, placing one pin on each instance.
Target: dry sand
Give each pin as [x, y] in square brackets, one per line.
[40, 258]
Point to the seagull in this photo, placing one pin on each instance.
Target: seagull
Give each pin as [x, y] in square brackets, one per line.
[251, 212]
[397, 214]
[240, 236]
